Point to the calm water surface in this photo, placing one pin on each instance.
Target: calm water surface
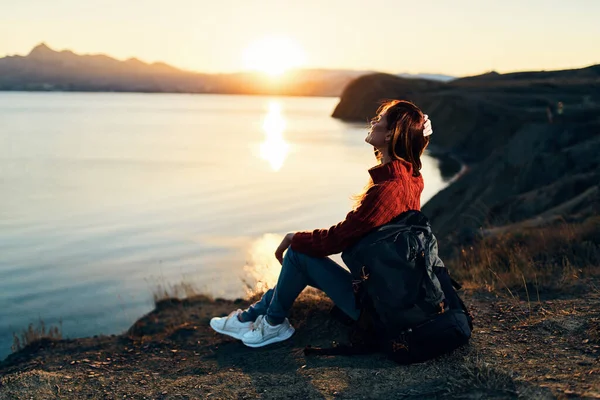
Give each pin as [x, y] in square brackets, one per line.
[107, 197]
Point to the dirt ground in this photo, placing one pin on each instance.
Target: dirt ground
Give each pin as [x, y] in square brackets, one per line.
[533, 350]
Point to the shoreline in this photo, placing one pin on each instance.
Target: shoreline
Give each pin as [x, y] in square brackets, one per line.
[441, 154]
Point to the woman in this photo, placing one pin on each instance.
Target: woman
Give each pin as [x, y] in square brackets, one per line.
[399, 134]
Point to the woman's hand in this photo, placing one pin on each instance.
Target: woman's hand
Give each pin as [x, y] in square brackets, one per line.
[285, 243]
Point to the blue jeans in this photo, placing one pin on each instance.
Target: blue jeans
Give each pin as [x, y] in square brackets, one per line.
[298, 271]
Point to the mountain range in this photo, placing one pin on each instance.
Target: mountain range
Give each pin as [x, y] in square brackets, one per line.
[45, 69]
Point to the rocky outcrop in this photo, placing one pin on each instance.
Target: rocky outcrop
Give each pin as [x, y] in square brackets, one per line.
[173, 353]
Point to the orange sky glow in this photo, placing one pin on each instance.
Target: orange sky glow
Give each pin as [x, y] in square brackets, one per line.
[458, 38]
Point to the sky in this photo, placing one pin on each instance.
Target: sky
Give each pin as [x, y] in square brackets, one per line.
[459, 38]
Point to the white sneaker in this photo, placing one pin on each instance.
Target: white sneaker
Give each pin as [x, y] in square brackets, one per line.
[231, 325]
[263, 333]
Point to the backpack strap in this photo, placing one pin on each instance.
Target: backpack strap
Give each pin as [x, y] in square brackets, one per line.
[466, 311]
[457, 286]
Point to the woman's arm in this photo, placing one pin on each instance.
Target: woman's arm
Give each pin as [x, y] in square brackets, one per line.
[376, 209]
[285, 243]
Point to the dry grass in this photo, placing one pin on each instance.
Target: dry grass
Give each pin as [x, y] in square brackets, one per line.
[178, 291]
[32, 385]
[533, 259]
[473, 373]
[35, 333]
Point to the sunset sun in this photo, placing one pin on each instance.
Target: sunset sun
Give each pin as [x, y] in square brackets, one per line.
[273, 55]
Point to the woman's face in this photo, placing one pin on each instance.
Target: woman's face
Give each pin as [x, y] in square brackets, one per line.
[379, 135]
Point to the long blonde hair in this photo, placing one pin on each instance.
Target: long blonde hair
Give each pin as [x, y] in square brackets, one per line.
[406, 121]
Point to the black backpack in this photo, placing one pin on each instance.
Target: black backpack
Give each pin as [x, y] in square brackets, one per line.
[409, 306]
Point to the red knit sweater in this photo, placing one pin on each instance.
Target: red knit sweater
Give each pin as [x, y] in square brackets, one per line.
[395, 190]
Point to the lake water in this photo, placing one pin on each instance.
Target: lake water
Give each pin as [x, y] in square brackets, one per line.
[106, 197]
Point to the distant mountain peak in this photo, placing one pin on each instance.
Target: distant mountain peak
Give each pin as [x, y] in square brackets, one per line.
[134, 61]
[41, 49]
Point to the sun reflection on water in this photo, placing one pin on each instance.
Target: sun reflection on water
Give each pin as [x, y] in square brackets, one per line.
[262, 268]
[274, 149]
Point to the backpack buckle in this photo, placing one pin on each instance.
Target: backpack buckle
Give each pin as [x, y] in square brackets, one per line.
[364, 275]
[357, 283]
[442, 306]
